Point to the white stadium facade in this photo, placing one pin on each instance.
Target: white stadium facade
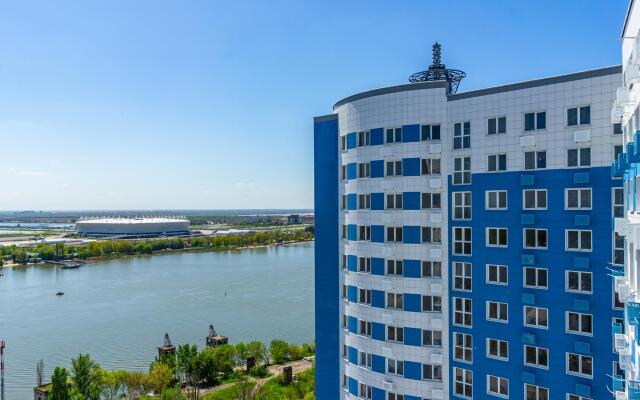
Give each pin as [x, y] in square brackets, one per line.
[133, 227]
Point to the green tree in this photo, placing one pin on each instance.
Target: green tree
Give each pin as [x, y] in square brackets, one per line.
[136, 383]
[87, 377]
[257, 350]
[59, 385]
[160, 377]
[189, 368]
[113, 384]
[173, 393]
[242, 352]
[279, 350]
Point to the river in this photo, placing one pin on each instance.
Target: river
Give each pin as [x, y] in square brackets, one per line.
[119, 310]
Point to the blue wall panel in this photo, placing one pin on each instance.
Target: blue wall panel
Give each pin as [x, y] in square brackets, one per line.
[352, 201]
[410, 167]
[377, 169]
[377, 298]
[352, 232]
[377, 201]
[377, 233]
[411, 133]
[351, 140]
[412, 268]
[352, 171]
[377, 266]
[411, 200]
[411, 234]
[377, 136]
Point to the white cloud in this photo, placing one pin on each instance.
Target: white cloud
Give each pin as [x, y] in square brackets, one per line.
[34, 173]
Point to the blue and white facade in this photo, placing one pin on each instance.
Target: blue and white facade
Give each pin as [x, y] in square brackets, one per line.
[464, 241]
[626, 167]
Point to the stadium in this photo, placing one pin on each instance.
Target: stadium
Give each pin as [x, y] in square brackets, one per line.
[127, 227]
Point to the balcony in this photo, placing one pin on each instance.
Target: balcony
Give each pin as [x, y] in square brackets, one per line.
[618, 383]
[633, 392]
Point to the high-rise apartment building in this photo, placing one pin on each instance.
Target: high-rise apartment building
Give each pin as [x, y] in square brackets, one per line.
[464, 241]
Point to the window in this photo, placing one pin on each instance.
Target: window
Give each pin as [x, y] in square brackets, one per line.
[535, 238]
[364, 232]
[394, 396]
[533, 392]
[618, 249]
[344, 261]
[343, 204]
[617, 128]
[395, 367]
[535, 278]
[343, 143]
[462, 241]
[534, 121]
[394, 267]
[579, 157]
[462, 276]
[536, 317]
[364, 170]
[461, 205]
[578, 199]
[394, 168]
[431, 372]
[462, 311]
[364, 264]
[462, 170]
[344, 291]
[364, 296]
[364, 201]
[579, 116]
[576, 397]
[462, 135]
[431, 234]
[498, 312]
[431, 201]
[498, 386]
[364, 359]
[535, 159]
[394, 234]
[534, 199]
[578, 240]
[496, 162]
[496, 200]
[497, 348]
[364, 138]
[536, 356]
[618, 202]
[496, 237]
[344, 172]
[463, 347]
[497, 274]
[394, 201]
[578, 282]
[430, 166]
[394, 300]
[364, 391]
[431, 338]
[393, 135]
[496, 125]
[431, 269]
[395, 334]
[578, 364]
[431, 304]
[617, 304]
[430, 132]
[579, 323]
[364, 328]
[463, 382]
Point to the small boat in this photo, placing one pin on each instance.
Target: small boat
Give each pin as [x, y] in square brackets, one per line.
[60, 294]
[71, 265]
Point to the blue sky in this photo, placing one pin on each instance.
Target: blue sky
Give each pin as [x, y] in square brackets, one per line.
[209, 104]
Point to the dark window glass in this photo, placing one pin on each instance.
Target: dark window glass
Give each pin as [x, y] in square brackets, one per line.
[502, 162]
[585, 115]
[617, 128]
[541, 159]
[426, 132]
[491, 126]
[529, 122]
[572, 116]
[530, 160]
[502, 125]
[435, 132]
[541, 120]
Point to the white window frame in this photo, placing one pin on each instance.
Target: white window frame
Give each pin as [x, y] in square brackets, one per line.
[498, 233]
[497, 122]
[364, 265]
[465, 277]
[538, 349]
[498, 194]
[364, 296]
[394, 135]
[498, 343]
[580, 206]
[430, 198]
[393, 201]
[435, 370]
[580, 316]
[579, 122]
[497, 162]
[580, 279]
[463, 242]
[537, 269]
[615, 205]
[364, 170]
[579, 249]
[465, 347]
[498, 380]
[537, 237]
[393, 238]
[537, 206]
[463, 312]
[500, 269]
[460, 202]
[397, 303]
[537, 311]
[366, 138]
[462, 136]
[499, 315]
[398, 332]
[364, 328]
[396, 266]
[535, 160]
[431, 165]
[462, 172]
[579, 160]
[397, 168]
[364, 391]
[538, 390]
[434, 333]
[466, 384]
[535, 121]
[436, 303]
[434, 266]
[395, 367]
[364, 359]
[579, 373]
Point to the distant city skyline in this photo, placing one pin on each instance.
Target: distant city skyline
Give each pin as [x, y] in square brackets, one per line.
[209, 105]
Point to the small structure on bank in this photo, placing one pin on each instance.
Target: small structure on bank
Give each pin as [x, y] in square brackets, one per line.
[287, 375]
[41, 392]
[214, 339]
[251, 362]
[167, 349]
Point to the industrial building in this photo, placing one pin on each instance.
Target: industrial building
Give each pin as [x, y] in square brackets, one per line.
[127, 227]
[464, 240]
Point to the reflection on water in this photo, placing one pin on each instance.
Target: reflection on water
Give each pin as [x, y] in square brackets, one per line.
[119, 310]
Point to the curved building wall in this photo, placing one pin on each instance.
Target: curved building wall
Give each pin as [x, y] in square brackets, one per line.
[510, 157]
[136, 228]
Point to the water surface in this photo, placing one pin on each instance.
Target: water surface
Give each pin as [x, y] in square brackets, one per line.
[119, 310]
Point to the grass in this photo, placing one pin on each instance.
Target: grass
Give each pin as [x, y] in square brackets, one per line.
[274, 388]
[225, 394]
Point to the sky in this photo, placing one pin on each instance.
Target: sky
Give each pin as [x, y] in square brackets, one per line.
[108, 105]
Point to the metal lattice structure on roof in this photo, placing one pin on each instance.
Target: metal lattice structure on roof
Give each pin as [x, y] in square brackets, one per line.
[439, 72]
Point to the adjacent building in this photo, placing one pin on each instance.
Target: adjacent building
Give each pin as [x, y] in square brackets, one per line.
[464, 240]
[626, 279]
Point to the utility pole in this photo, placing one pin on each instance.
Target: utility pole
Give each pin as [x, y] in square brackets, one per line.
[2, 346]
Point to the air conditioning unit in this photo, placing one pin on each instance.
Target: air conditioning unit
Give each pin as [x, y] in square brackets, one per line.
[625, 361]
[620, 395]
[388, 385]
[620, 341]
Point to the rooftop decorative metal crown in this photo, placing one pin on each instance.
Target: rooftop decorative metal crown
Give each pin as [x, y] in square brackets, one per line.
[439, 72]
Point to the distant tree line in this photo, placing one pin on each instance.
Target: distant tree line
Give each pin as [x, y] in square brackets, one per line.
[113, 248]
[188, 368]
